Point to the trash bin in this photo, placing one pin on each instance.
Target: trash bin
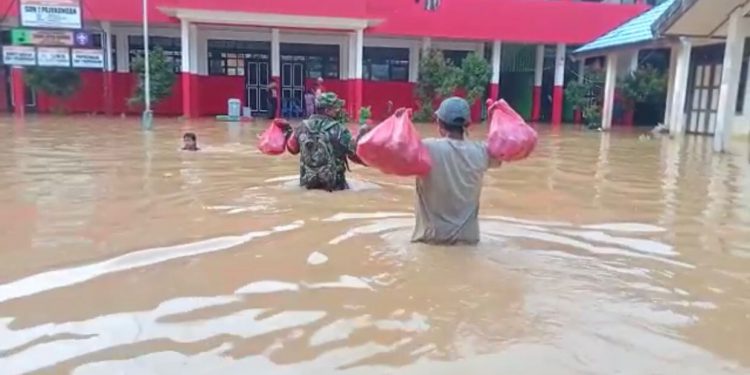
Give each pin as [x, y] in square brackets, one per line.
[233, 108]
[247, 112]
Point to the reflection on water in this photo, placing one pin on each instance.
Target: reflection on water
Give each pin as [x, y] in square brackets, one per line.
[602, 254]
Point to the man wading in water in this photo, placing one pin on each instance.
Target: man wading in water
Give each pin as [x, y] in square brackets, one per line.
[324, 143]
[447, 208]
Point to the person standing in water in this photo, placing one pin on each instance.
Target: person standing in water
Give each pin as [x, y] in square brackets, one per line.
[447, 207]
[273, 100]
[324, 144]
[319, 89]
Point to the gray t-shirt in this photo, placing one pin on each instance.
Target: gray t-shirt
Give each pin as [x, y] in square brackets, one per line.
[448, 197]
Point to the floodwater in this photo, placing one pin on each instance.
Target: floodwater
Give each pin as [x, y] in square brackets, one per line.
[602, 254]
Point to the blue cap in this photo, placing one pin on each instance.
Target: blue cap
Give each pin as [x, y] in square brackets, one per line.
[454, 112]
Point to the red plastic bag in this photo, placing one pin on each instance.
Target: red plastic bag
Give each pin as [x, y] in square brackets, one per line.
[273, 140]
[510, 138]
[395, 147]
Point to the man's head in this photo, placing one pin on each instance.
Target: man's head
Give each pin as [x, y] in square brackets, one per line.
[320, 80]
[453, 116]
[328, 104]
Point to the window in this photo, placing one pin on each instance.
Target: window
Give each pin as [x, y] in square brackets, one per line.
[743, 78]
[386, 64]
[320, 60]
[230, 57]
[170, 46]
[455, 57]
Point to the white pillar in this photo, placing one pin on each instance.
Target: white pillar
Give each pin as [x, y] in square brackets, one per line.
[426, 43]
[497, 48]
[193, 48]
[730, 81]
[275, 54]
[123, 55]
[414, 63]
[539, 67]
[559, 65]
[352, 58]
[185, 45]
[610, 83]
[681, 74]
[107, 42]
[359, 43]
[673, 55]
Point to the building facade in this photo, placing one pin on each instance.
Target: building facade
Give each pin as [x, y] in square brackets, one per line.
[367, 51]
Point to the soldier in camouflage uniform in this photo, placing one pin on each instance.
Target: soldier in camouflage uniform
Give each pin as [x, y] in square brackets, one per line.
[324, 144]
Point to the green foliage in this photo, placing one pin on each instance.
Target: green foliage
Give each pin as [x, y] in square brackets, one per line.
[162, 77]
[365, 113]
[584, 96]
[57, 82]
[476, 73]
[439, 78]
[644, 85]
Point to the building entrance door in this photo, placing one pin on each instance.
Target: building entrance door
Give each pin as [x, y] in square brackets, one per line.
[704, 101]
[256, 83]
[292, 87]
[703, 89]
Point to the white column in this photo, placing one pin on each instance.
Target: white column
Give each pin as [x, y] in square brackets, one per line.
[673, 55]
[194, 46]
[359, 46]
[426, 43]
[730, 81]
[539, 67]
[123, 55]
[275, 54]
[107, 41]
[609, 91]
[559, 65]
[679, 96]
[497, 48]
[633, 61]
[351, 72]
[185, 45]
[414, 63]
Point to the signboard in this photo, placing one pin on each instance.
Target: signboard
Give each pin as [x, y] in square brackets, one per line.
[61, 14]
[48, 56]
[42, 37]
[88, 58]
[17, 55]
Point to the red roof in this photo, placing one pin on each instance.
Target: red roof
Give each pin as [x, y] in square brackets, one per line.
[531, 21]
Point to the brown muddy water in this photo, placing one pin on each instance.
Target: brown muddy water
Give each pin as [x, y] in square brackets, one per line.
[602, 254]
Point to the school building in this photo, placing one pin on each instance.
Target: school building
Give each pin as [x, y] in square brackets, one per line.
[367, 51]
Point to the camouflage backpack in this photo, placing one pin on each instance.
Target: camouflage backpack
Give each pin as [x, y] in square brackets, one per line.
[319, 166]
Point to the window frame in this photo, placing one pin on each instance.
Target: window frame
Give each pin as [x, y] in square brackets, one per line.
[393, 58]
[170, 45]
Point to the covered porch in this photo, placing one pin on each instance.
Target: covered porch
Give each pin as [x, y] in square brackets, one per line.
[711, 43]
[290, 50]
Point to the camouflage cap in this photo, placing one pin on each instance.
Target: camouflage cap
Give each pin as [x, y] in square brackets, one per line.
[328, 100]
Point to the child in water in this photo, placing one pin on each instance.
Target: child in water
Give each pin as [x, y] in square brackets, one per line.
[190, 142]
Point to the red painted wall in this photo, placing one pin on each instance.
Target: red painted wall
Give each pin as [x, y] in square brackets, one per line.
[377, 94]
[90, 98]
[217, 90]
[4, 84]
